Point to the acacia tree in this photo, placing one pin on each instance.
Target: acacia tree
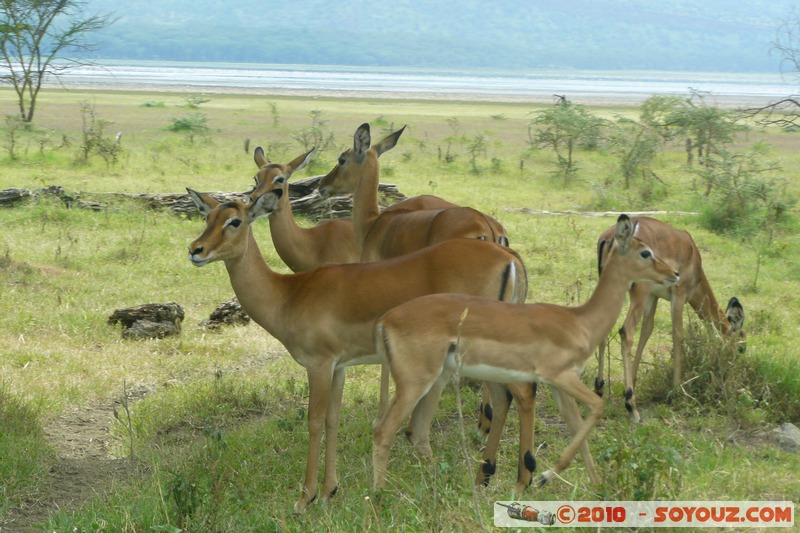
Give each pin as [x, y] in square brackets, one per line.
[636, 144]
[35, 38]
[707, 128]
[563, 128]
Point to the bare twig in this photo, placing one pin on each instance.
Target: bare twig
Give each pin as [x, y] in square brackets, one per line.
[784, 113]
[127, 424]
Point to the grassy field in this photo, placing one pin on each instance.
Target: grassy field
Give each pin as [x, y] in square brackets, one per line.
[210, 431]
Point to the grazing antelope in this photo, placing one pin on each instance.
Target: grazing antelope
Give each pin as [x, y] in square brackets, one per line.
[677, 248]
[392, 233]
[428, 339]
[324, 317]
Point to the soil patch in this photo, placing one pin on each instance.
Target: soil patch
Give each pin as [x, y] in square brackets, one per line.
[82, 440]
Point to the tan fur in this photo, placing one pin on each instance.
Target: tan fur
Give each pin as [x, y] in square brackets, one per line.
[397, 232]
[411, 225]
[324, 317]
[429, 338]
[678, 249]
[306, 248]
[302, 249]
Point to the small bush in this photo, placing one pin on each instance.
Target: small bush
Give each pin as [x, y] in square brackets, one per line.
[565, 128]
[717, 377]
[197, 487]
[95, 140]
[194, 125]
[194, 102]
[318, 135]
[639, 463]
[742, 193]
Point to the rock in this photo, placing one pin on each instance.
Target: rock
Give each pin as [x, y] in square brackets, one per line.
[149, 321]
[788, 437]
[147, 329]
[10, 197]
[228, 313]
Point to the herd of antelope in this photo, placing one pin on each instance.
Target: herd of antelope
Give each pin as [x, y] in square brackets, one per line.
[428, 289]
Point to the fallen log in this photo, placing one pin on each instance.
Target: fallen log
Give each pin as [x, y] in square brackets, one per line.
[306, 201]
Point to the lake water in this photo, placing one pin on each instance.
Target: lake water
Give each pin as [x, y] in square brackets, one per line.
[618, 86]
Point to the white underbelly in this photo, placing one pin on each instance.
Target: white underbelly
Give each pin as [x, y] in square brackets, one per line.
[493, 373]
[372, 359]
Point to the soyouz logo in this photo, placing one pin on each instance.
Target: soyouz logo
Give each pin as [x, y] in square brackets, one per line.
[644, 514]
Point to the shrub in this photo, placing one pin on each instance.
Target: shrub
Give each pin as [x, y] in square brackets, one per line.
[718, 378]
[94, 139]
[639, 463]
[192, 125]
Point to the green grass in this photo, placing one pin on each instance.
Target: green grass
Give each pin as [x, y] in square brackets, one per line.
[26, 457]
[220, 431]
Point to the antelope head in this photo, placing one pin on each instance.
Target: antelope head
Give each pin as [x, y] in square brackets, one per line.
[356, 162]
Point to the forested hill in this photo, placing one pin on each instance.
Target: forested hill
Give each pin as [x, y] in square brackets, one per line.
[693, 35]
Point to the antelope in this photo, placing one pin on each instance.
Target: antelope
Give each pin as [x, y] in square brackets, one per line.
[428, 339]
[302, 249]
[382, 235]
[324, 317]
[678, 249]
[392, 233]
[330, 241]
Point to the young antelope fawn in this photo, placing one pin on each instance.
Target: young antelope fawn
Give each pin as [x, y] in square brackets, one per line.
[428, 339]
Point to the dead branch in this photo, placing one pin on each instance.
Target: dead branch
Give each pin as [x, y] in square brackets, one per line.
[784, 113]
[306, 201]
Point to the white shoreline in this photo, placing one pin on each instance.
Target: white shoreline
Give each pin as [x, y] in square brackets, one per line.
[587, 87]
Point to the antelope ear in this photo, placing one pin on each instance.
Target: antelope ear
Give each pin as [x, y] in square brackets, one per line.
[361, 140]
[735, 314]
[389, 142]
[264, 204]
[299, 162]
[260, 157]
[205, 203]
[624, 232]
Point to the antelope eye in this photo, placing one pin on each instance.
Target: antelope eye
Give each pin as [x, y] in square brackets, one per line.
[646, 254]
[342, 160]
[235, 222]
[279, 180]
